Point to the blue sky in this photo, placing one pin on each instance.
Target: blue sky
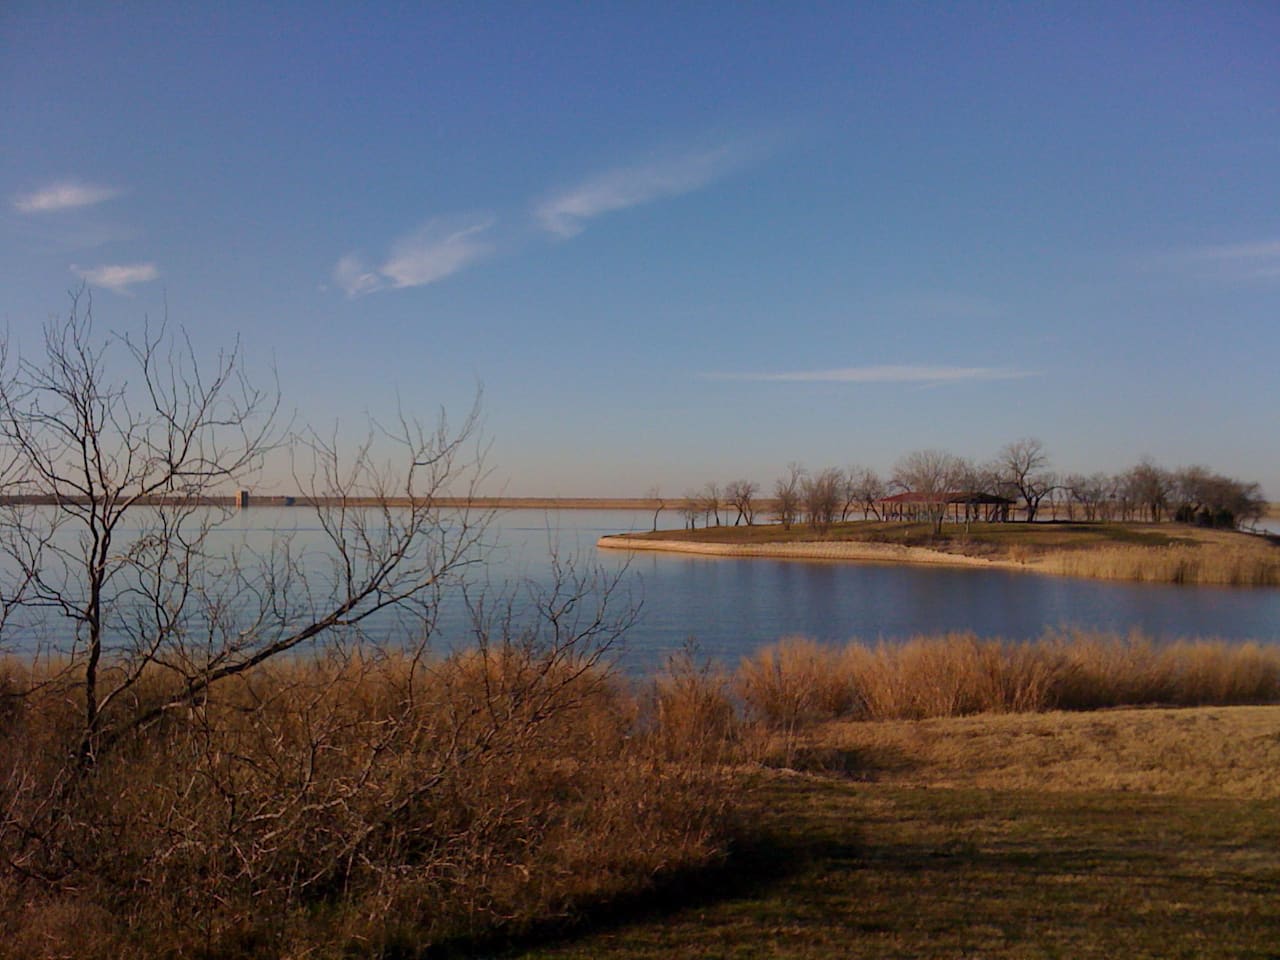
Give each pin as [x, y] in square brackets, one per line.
[679, 242]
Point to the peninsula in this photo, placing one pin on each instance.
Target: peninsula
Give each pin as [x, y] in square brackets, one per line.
[1154, 552]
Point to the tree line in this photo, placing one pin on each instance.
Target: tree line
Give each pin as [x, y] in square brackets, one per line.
[1020, 471]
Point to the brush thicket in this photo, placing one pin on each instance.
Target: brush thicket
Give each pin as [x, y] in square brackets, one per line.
[385, 804]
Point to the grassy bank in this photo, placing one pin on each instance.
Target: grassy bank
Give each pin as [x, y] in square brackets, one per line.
[926, 799]
[1165, 552]
[1148, 833]
[896, 804]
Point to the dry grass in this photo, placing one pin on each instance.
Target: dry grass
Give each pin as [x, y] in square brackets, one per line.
[692, 711]
[394, 807]
[320, 808]
[1200, 751]
[798, 682]
[1253, 563]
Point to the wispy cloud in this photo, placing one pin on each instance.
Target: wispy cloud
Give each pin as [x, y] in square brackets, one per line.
[566, 213]
[434, 252]
[1258, 260]
[66, 195]
[355, 277]
[881, 374]
[439, 248]
[1265, 250]
[117, 277]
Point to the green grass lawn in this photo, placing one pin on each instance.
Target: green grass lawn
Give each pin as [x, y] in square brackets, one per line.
[876, 863]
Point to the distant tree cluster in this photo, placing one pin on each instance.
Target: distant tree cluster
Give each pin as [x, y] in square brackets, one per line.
[1020, 472]
[1192, 494]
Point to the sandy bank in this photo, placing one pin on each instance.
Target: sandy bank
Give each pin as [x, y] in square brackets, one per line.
[812, 550]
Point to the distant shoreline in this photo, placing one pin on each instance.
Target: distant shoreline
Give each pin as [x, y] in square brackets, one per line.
[647, 504]
[475, 503]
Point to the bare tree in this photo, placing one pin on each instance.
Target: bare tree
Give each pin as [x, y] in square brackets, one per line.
[117, 471]
[655, 495]
[933, 475]
[13, 583]
[1252, 504]
[711, 503]
[848, 493]
[1191, 488]
[1023, 464]
[1125, 495]
[1060, 500]
[866, 489]
[786, 495]
[691, 507]
[741, 495]
[1148, 488]
[1100, 490]
[1073, 487]
[970, 481]
[820, 495]
[1099, 495]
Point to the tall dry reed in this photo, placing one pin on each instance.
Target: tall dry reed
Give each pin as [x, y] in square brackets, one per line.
[798, 682]
[1254, 566]
[692, 714]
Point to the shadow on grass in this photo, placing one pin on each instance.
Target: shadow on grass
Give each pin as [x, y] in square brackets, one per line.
[818, 857]
[754, 864]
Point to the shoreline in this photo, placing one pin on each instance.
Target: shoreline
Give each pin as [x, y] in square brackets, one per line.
[274, 500]
[861, 552]
[1212, 558]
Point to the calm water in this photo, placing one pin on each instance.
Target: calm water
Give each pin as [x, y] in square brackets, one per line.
[733, 606]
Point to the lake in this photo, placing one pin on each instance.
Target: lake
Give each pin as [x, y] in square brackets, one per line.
[733, 606]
